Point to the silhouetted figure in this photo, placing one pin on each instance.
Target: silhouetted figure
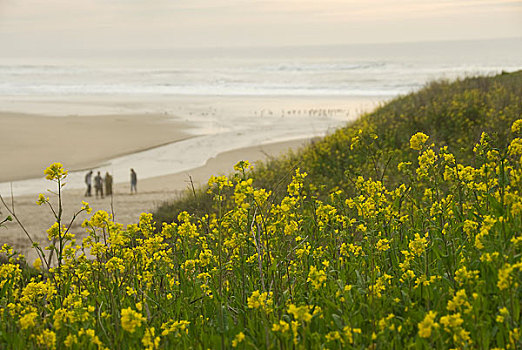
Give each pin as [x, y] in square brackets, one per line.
[108, 184]
[98, 185]
[88, 182]
[133, 181]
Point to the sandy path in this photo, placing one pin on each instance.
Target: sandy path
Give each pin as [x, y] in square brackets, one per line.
[152, 192]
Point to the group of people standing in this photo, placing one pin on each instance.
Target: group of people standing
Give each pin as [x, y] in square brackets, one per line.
[99, 183]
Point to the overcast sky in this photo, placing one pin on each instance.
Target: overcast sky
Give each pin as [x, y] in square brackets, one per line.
[61, 25]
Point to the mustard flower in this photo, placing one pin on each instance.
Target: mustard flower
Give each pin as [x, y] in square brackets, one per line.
[428, 324]
[55, 172]
[333, 336]
[403, 166]
[349, 332]
[47, 339]
[515, 147]
[100, 219]
[93, 338]
[418, 140]
[504, 276]
[36, 290]
[130, 320]
[419, 244]
[380, 285]
[42, 199]
[259, 300]
[70, 340]
[463, 274]
[301, 313]
[470, 227]
[460, 299]
[316, 277]
[453, 324]
[282, 327]
[243, 165]
[86, 207]
[383, 245]
[37, 264]
[296, 184]
[451, 321]
[516, 127]
[28, 320]
[514, 336]
[149, 340]
[238, 339]
[177, 328]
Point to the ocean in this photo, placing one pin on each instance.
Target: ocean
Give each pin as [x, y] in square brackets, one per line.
[350, 70]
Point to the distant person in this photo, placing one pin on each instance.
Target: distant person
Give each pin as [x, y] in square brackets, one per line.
[133, 181]
[98, 185]
[108, 184]
[88, 182]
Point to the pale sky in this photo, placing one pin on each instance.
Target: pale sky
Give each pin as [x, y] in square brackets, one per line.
[61, 25]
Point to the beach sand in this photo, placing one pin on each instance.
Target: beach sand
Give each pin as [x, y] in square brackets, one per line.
[29, 143]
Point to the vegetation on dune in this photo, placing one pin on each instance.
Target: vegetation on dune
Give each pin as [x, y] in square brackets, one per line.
[453, 114]
[413, 242]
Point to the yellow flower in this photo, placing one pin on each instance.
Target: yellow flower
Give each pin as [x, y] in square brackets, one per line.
[37, 264]
[453, 324]
[451, 321]
[418, 245]
[259, 300]
[316, 277]
[238, 339]
[383, 245]
[28, 320]
[47, 339]
[42, 199]
[517, 126]
[55, 172]
[149, 341]
[177, 328]
[301, 313]
[296, 185]
[504, 276]
[100, 219]
[333, 336]
[515, 147]
[130, 320]
[242, 165]
[86, 207]
[349, 332]
[428, 324]
[460, 299]
[504, 311]
[54, 231]
[282, 327]
[418, 140]
[70, 340]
